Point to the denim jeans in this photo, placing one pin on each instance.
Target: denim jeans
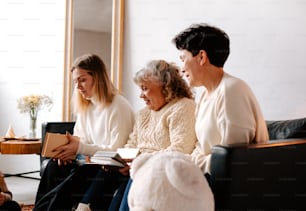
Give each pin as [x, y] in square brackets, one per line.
[120, 200]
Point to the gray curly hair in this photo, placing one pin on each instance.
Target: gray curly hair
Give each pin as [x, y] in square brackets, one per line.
[168, 76]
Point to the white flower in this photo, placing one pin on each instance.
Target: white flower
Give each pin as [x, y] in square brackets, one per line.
[33, 103]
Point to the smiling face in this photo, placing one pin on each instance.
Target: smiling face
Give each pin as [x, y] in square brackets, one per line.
[190, 67]
[151, 93]
[83, 82]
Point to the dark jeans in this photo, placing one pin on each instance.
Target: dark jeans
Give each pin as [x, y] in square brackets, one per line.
[85, 183]
[10, 206]
[57, 192]
[103, 188]
[120, 200]
[53, 176]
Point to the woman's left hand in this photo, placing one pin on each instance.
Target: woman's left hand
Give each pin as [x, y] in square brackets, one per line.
[124, 170]
[65, 152]
[4, 197]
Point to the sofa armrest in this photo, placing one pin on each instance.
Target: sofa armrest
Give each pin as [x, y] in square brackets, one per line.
[259, 176]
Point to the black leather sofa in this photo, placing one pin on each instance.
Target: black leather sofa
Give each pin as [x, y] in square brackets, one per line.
[258, 177]
[254, 177]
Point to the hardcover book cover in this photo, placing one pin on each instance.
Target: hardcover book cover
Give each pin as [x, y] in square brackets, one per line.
[52, 141]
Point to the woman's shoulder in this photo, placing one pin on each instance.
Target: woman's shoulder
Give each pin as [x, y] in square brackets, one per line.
[233, 86]
[120, 104]
[184, 102]
[143, 111]
[119, 97]
[232, 81]
[184, 105]
[121, 100]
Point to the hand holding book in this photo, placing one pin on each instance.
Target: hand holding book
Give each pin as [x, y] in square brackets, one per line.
[125, 170]
[52, 147]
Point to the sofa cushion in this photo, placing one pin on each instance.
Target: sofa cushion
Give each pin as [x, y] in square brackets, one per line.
[286, 129]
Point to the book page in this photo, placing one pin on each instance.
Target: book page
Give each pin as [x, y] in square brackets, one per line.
[128, 153]
[108, 158]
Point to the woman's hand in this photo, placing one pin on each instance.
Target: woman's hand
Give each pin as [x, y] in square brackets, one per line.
[124, 170]
[4, 197]
[63, 162]
[65, 152]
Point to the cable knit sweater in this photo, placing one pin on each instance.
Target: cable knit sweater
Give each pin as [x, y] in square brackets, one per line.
[172, 128]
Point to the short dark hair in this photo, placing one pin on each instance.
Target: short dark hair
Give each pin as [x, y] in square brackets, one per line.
[214, 41]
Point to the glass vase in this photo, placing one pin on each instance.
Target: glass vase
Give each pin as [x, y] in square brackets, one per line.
[32, 132]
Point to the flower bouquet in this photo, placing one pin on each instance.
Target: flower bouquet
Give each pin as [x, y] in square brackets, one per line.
[31, 104]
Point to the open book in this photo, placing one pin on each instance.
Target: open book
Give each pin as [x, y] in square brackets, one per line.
[120, 158]
[52, 141]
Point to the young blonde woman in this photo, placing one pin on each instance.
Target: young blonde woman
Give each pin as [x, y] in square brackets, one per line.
[104, 119]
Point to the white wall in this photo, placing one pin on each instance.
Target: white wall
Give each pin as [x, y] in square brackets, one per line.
[268, 45]
[32, 61]
[268, 41]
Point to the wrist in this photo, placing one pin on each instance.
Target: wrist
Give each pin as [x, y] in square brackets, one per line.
[7, 197]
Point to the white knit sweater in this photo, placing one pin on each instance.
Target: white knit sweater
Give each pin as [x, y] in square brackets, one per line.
[104, 128]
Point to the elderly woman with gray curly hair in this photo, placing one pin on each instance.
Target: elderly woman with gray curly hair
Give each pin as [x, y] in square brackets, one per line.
[165, 124]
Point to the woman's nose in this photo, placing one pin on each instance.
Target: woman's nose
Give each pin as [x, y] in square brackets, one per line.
[77, 85]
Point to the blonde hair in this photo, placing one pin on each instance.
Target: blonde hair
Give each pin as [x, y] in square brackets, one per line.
[104, 90]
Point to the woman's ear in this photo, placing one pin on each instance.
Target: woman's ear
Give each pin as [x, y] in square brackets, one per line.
[203, 57]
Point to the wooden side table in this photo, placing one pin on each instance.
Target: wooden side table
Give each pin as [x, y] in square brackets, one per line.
[18, 147]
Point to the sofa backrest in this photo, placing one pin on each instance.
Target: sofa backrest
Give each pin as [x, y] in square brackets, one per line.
[286, 129]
